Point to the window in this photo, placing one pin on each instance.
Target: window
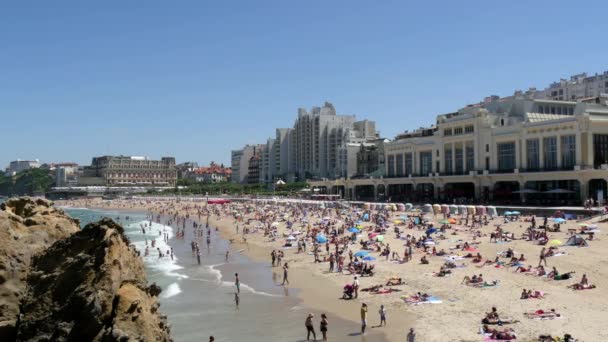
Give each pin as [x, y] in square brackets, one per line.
[391, 165]
[568, 151]
[487, 163]
[502, 122]
[470, 156]
[532, 154]
[426, 163]
[506, 156]
[487, 147]
[400, 165]
[550, 153]
[447, 132]
[469, 129]
[600, 150]
[409, 165]
[458, 159]
[457, 130]
[540, 109]
[447, 158]
[437, 153]
[570, 111]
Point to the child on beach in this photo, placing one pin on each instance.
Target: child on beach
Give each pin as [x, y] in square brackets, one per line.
[382, 313]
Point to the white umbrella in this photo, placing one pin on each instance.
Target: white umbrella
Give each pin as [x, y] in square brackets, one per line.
[291, 238]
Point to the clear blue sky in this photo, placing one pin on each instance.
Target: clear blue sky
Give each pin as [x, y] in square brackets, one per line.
[195, 79]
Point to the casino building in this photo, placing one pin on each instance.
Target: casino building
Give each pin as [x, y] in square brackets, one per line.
[512, 150]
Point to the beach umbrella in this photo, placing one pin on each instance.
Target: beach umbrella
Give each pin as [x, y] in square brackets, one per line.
[361, 253]
[452, 221]
[430, 231]
[321, 239]
[555, 242]
[353, 230]
[369, 258]
[584, 224]
[429, 242]
[275, 224]
[444, 222]
[291, 238]
[515, 213]
[403, 217]
[559, 220]
[592, 226]
[380, 238]
[327, 218]
[397, 221]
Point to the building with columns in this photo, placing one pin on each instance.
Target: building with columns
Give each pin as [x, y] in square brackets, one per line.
[520, 149]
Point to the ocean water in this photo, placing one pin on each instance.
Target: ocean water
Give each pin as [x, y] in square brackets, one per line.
[199, 299]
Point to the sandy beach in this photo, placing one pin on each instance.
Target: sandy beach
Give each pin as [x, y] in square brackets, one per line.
[458, 315]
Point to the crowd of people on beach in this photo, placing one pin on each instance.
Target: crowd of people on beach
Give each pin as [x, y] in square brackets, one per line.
[354, 242]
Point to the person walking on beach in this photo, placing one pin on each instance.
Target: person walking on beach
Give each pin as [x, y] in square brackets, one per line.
[198, 255]
[356, 287]
[411, 336]
[324, 324]
[227, 254]
[382, 313]
[363, 318]
[310, 328]
[273, 256]
[237, 283]
[542, 257]
[285, 269]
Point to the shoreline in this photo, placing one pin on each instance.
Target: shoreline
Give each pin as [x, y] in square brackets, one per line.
[460, 313]
[308, 293]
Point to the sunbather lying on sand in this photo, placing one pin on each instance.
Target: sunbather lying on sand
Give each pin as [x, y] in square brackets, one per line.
[542, 314]
[394, 281]
[505, 335]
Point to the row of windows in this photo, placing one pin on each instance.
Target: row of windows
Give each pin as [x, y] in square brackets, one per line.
[459, 130]
[560, 110]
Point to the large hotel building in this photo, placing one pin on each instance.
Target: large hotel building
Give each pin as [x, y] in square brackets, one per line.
[510, 150]
[129, 171]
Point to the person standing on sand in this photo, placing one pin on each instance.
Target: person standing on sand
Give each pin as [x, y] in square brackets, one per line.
[237, 283]
[285, 269]
[324, 324]
[227, 253]
[411, 336]
[363, 318]
[310, 328]
[382, 313]
[273, 256]
[356, 287]
[542, 257]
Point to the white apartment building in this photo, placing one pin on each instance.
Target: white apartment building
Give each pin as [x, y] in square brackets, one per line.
[577, 87]
[321, 138]
[316, 147]
[239, 163]
[506, 150]
[19, 165]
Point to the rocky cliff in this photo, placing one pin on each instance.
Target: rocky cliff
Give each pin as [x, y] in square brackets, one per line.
[27, 227]
[89, 285]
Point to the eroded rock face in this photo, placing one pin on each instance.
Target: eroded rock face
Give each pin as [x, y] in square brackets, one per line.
[27, 226]
[90, 286]
[60, 283]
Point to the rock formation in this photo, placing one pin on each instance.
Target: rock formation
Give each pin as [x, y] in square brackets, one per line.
[89, 285]
[27, 227]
